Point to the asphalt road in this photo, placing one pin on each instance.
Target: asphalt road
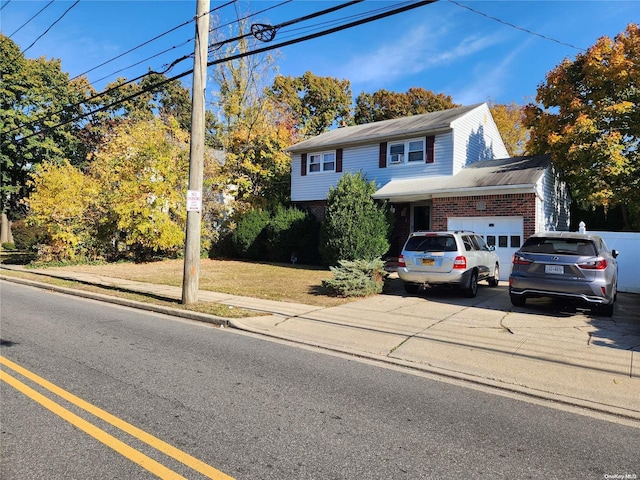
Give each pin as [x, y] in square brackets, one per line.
[258, 409]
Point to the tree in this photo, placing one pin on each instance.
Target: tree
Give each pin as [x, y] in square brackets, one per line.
[355, 227]
[35, 97]
[587, 116]
[64, 204]
[385, 105]
[510, 119]
[314, 103]
[142, 174]
[251, 131]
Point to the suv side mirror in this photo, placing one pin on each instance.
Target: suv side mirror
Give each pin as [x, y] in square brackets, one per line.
[491, 248]
[614, 253]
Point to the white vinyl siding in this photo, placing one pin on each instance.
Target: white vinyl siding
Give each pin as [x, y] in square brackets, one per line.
[365, 158]
[476, 137]
[471, 136]
[553, 209]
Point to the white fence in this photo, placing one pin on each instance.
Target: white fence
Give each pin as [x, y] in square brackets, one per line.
[628, 245]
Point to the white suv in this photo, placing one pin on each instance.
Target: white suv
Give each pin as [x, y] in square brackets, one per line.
[457, 258]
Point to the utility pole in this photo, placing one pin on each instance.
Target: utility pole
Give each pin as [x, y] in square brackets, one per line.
[191, 275]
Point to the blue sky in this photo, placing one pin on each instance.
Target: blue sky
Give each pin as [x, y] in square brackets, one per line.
[443, 47]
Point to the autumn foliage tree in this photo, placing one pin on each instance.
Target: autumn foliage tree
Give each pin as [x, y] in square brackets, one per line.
[315, 103]
[142, 174]
[510, 120]
[587, 116]
[64, 203]
[129, 203]
[39, 106]
[385, 105]
[251, 131]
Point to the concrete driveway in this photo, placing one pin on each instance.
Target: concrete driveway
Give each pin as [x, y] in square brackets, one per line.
[545, 349]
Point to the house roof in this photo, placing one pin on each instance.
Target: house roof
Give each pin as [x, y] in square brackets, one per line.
[385, 129]
[501, 175]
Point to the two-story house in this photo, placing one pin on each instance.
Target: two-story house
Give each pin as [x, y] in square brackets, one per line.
[441, 170]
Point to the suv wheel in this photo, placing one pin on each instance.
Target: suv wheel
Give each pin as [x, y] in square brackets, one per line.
[493, 281]
[518, 300]
[472, 288]
[605, 310]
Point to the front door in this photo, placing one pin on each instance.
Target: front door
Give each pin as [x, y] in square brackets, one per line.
[421, 218]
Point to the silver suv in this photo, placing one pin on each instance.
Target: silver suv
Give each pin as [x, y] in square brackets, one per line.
[459, 258]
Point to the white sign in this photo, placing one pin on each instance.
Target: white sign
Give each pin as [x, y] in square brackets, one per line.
[194, 201]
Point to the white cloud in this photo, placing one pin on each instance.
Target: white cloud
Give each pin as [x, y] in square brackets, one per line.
[415, 51]
[490, 80]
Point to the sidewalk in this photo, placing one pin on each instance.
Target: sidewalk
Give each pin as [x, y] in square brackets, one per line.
[539, 350]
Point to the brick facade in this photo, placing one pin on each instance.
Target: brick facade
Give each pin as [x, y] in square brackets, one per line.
[520, 204]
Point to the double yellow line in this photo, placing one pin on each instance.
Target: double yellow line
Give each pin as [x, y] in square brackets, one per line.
[122, 448]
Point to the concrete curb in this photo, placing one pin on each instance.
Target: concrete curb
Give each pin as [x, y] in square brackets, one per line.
[201, 317]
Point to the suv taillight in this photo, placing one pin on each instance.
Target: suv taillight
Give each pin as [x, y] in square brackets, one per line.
[401, 261]
[460, 262]
[597, 264]
[518, 260]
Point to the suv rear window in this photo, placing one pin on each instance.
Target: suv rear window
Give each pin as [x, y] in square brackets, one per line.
[431, 243]
[566, 246]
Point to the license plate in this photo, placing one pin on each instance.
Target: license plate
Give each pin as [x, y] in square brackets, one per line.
[427, 261]
[555, 269]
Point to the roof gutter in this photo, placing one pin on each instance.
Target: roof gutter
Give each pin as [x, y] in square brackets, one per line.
[457, 192]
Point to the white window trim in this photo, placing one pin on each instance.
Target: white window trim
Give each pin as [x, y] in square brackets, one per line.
[322, 162]
[405, 155]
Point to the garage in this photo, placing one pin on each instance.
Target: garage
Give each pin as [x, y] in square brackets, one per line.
[505, 233]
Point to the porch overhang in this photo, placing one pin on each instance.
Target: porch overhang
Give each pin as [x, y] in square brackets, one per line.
[414, 190]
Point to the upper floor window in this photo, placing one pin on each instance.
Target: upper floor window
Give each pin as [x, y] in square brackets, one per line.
[322, 162]
[406, 151]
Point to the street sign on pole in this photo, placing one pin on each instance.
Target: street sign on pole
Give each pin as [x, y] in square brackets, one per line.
[194, 201]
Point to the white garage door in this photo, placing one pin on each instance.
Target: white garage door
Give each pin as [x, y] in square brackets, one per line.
[506, 233]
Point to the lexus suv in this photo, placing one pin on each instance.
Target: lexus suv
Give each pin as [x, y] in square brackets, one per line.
[458, 258]
[565, 265]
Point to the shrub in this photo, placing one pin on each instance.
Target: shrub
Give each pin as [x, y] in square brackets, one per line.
[28, 237]
[292, 232]
[9, 246]
[355, 226]
[357, 278]
[62, 203]
[249, 236]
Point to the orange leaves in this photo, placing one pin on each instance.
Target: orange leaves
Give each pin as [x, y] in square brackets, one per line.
[588, 118]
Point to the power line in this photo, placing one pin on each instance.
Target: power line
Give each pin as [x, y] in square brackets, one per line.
[406, 7]
[45, 32]
[316, 27]
[34, 16]
[517, 27]
[2, 7]
[151, 40]
[185, 57]
[166, 68]
[268, 32]
[175, 62]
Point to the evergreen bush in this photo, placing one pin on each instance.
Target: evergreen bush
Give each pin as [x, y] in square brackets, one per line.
[292, 236]
[355, 226]
[249, 236]
[357, 278]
